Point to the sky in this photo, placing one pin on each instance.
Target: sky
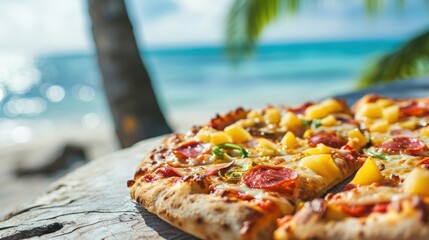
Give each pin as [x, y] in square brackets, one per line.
[57, 26]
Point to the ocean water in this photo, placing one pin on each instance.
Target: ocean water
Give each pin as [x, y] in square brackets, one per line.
[43, 95]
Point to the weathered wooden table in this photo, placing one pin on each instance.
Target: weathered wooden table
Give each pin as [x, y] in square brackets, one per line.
[91, 203]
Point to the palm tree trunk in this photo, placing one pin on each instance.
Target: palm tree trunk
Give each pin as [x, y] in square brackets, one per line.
[127, 84]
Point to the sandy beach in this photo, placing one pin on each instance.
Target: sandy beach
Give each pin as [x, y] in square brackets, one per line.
[17, 190]
[97, 143]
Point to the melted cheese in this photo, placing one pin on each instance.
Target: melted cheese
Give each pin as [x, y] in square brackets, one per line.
[285, 205]
[400, 165]
[368, 195]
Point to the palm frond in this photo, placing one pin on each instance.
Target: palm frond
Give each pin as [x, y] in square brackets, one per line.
[412, 59]
[247, 19]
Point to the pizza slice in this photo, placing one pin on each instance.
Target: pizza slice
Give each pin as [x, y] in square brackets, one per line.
[234, 177]
[388, 197]
[367, 212]
[384, 117]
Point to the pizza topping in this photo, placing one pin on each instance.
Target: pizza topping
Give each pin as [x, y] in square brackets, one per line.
[272, 115]
[300, 109]
[328, 138]
[413, 108]
[364, 210]
[272, 178]
[356, 138]
[403, 133]
[267, 133]
[368, 173]
[391, 114]
[219, 152]
[322, 164]
[235, 173]
[312, 123]
[161, 173]
[380, 207]
[424, 163]
[289, 140]
[407, 145]
[191, 149]
[375, 154]
[215, 170]
[328, 121]
[350, 153]
[291, 121]
[417, 182]
[220, 122]
[233, 176]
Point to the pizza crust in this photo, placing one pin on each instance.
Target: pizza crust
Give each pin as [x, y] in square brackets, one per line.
[186, 205]
[307, 224]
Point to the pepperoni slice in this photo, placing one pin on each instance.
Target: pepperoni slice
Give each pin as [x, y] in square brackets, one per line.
[356, 210]
[300, 109]
[413, 108]
[328, 138]
[409, 145]
[192, 149]
[161, 173]
[380, 207]
[273, 178]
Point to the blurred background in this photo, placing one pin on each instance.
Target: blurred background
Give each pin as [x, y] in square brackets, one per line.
[202, 58]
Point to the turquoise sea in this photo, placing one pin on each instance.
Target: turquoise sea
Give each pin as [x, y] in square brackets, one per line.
[41, 94]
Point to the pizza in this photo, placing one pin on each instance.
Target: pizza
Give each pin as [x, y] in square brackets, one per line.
[269, 173]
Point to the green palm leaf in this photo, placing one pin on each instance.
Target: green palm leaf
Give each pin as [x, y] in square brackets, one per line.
[412, 59]
[247, 19]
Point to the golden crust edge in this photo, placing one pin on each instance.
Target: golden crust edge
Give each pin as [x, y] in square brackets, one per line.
[186, 205]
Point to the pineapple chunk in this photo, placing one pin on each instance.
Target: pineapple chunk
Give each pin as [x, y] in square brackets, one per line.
[370, 110]
[267, 148]
[409, 124]
[384, 102]
[379, 126]
[219, 138]
[331, 105]
[319, 149]
[391, 114]
[272, 115]
[368, 173]
[204, 135]
[329, 121]
[356, 136]
[290, 120]
[289, 140]
[307, 133]
[247, 122]
[424, 132]
[316, 111]
[417, 182]
[322, 164]
[255, 115]
[238, 133]
[264, 143]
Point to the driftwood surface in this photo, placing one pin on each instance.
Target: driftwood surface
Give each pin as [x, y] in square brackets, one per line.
[91, 203]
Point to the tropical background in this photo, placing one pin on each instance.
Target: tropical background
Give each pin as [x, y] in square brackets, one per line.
[202, 58]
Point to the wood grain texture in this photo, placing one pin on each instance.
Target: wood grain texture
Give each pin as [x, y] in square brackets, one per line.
[91, 203]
